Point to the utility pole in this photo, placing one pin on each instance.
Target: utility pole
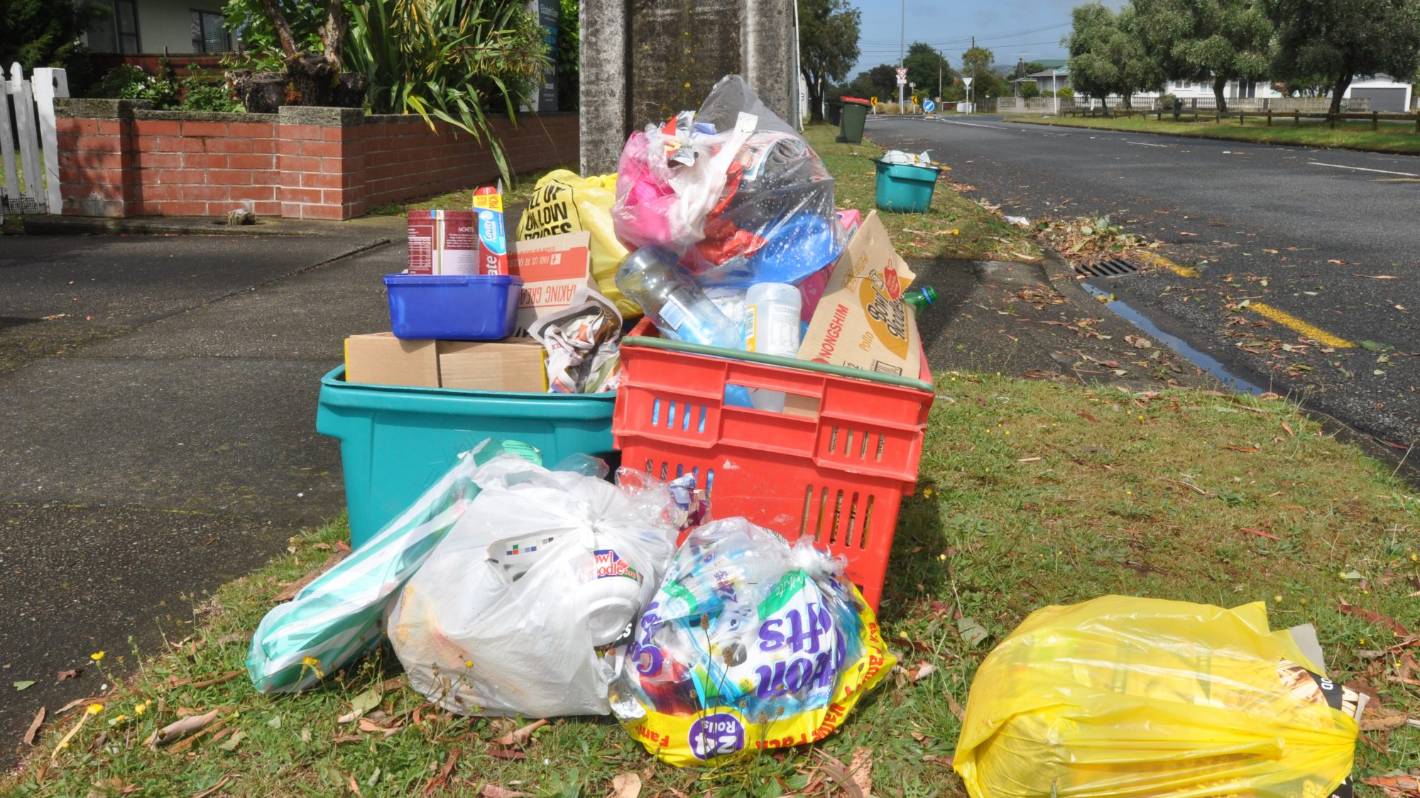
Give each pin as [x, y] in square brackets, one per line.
[902, 53]
[939, 80]
[971, 90]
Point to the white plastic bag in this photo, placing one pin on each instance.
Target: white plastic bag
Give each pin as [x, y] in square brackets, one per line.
[336, 618]
[515, 612]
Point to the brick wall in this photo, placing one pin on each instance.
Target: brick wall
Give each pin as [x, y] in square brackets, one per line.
[119, 159]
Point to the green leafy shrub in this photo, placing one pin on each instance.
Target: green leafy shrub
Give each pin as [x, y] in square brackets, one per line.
[203, 91]
[128, 82]
[450, 60]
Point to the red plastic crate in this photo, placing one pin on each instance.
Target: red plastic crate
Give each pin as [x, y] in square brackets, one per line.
[834, 466]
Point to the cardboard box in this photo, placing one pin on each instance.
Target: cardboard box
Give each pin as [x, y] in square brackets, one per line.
[442, 242]
[517, 364]
[492, 238]
[861, 321]
[552, 270]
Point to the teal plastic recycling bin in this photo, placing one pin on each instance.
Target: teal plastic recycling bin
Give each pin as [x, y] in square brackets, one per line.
[396, 441]
[905, 188]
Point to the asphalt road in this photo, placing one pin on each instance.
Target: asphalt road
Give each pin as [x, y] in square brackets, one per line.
[1328, 238]
[158, 397]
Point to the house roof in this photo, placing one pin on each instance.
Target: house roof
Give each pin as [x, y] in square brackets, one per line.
[1061, 71]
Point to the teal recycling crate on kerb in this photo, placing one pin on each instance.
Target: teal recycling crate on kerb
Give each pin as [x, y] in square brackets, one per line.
[905, 188]
[396, 441]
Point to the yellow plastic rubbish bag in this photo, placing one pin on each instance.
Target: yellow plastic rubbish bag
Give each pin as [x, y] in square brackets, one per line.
[1142, 697]
[565, 202]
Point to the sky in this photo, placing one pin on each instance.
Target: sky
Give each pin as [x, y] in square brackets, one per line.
[1011, 29]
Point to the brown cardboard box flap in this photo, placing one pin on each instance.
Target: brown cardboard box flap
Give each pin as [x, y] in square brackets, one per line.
[517, 364]
[861, 321]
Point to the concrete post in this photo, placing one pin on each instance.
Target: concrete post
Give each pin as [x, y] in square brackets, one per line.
[644, 60]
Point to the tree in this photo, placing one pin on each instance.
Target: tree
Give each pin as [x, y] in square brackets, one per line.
[925, 66]
[1029, 89]
[880, 82]
[1106, 56]
[46, 33]
[1203, 40]
[828, 46]
[976, 63]
[1333, 41]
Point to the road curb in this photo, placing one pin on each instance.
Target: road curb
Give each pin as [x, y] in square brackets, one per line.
[192, 225]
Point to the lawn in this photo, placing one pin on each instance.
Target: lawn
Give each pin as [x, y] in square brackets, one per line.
[1031, 493]
[1392, 137]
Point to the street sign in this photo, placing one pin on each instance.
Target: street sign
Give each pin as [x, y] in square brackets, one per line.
[967, 81]
[874, 101]
[902, 76]
[929, 106]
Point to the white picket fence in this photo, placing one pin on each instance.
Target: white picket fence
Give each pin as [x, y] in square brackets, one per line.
[29, 144]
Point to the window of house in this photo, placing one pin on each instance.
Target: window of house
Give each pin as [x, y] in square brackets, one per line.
[125, 25]
[209, 32]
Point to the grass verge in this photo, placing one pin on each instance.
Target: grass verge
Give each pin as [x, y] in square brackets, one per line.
[1031, 493]
[953, 227]
[1400, 138]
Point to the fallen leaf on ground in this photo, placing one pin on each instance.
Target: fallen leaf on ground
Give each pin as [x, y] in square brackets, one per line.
[109, 787]
[361, 704]
[837, 771]
[971, 630]
[179, 729]
[1375, 618]
[23, 684]
[33, 730]
[955, 706]
[494, 791]
[1382, 719]
[1262, 533]
[860, 770]
[353, 785]
[626, 785]
[520, 736]
[370, 727]
[441, 778]
[293, 588]
[1396, 786]
[922, 671]
[512, 754]
[64, 676]
[78, 702]
[215, 788]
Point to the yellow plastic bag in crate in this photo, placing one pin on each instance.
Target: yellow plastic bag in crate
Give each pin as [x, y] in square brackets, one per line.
[565, 202]
[1128, 697]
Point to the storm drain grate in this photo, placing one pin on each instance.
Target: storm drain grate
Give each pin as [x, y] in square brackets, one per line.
[1114, 267]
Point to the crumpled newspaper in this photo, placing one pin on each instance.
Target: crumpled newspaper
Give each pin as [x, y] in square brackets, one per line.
[583, 343]
[923, 158]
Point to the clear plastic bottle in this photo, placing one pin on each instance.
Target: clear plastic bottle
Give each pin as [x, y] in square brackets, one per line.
[653, 279]
[771, 327]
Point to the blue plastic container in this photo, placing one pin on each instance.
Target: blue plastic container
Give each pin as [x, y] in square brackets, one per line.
[396, 441]
[453, 307]
[905, 188]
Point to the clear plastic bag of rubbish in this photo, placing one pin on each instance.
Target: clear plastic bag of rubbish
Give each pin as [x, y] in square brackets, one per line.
[336, 618]
[732, 190]
[518, 609]
[750, 643]
[1124, 697]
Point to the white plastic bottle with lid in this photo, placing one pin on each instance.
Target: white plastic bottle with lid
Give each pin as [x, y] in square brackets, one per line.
[771, 327]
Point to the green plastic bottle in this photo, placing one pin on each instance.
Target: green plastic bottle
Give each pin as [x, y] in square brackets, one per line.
[920, 298]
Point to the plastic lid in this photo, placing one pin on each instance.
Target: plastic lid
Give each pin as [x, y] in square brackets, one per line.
[452, 279]
[855, 100]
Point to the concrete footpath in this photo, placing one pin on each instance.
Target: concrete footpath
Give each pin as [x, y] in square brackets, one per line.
[158, 396]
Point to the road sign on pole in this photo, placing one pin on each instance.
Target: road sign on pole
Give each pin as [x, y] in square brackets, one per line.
[929, 106]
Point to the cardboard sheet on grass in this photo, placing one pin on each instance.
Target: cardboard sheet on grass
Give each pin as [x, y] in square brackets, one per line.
[861, 321]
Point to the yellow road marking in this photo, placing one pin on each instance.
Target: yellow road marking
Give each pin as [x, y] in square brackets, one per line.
[1300, 327]
[1164, 263]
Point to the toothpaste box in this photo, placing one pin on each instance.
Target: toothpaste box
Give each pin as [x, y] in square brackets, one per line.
[492, 240]
[442, 242]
